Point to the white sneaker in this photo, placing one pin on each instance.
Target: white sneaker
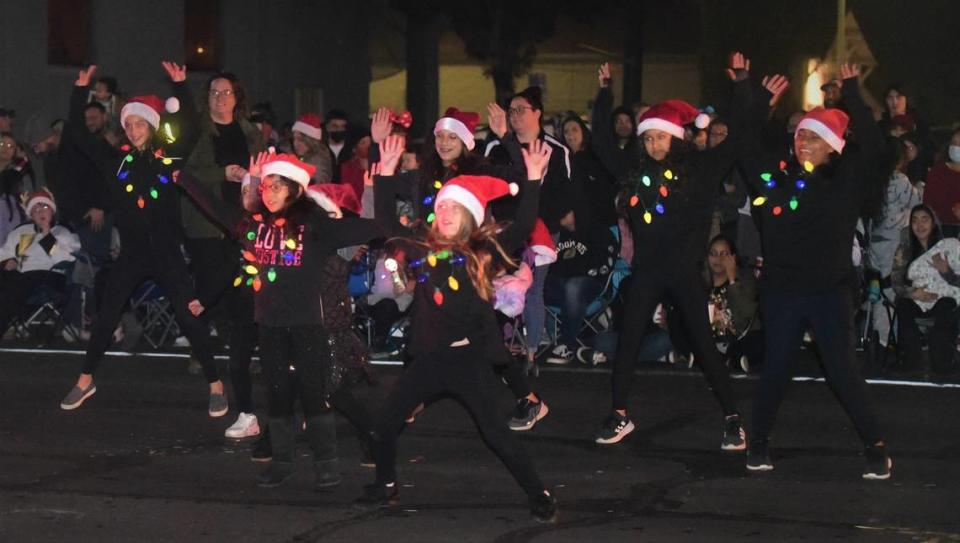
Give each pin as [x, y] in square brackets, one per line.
[181, 341]
[745, 364]
[590, 356]
[560, 355]
[246, 426]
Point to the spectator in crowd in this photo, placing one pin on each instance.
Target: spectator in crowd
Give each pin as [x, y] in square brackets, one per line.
[336, 138]
[11, 158]
[734, 307]
[733, 192]
[11, 212]
[6, 119]
[924, 232]
[942, 188]
[585, 258]
[899, 115]
[596, 188]
[614, 131]
[33, 256]
[308, 145]
[226, 144]
[353, 170]
[264, 119]
[916, 157]
[831, 94]
[104, 92]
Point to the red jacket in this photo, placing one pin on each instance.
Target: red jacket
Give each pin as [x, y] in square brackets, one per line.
[942, 192]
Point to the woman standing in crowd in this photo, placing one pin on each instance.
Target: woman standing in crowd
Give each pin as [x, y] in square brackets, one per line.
[590, 177]
[226, 143]
[809, 206]
[286, 245]
[147, 210]
[669, 203]
[452, 315]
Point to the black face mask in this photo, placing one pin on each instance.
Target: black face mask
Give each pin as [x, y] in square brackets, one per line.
[337, 136]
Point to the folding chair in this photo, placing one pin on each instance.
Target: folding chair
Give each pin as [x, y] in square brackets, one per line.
[155, 314]
[47, 309]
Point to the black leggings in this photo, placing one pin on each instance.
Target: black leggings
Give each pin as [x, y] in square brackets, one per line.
[243, 340]
[464, 374]
[689, 297]
[172, 276]
[830, 315]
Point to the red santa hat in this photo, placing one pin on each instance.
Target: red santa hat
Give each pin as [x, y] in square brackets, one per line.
[290, 167]
[542, 245]
[335, 195]
[669, 116]
[474, 192]
[461, 123]
[829, 124]
[309, 124]
[149, 107]
[42, 196]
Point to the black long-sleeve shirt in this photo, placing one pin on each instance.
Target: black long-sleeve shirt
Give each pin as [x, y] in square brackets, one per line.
[676, 239]
[284, 263]
[139, 183]
[808, 250]
[461, 312]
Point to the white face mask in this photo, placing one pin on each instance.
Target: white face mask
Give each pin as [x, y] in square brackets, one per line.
[955, 153]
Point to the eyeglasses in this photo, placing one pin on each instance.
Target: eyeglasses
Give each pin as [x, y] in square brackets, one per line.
[274, 188]
[517, 111]
[226, 93]
[7, 145]
[719, 254]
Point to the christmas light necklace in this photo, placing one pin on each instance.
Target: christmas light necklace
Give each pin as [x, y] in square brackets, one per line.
[251, 267]
[123, 172]
[770, 183]
[430, 261]
[657, 206]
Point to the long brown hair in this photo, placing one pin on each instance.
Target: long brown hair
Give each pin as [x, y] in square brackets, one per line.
[475, 244]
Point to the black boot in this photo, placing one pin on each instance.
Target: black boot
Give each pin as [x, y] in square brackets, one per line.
[281, 441]
[261, 451]
[322, 435]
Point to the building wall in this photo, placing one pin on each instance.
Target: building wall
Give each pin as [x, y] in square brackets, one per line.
[274, 46]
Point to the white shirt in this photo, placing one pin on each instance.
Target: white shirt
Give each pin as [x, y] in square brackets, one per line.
[23, 244]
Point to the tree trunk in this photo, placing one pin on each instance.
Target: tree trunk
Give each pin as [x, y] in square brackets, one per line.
[423, 70]
[503, 86]
[633, 54]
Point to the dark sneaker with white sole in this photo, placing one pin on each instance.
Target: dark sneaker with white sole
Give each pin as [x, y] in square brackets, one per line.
[734, 438]
[378, 495]
[614, 429]
[76, 396]
[527, 414]
[879, 464]
[758, 457]
[218, 405]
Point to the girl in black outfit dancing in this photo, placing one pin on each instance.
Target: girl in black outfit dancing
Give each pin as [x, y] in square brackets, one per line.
[452, 317]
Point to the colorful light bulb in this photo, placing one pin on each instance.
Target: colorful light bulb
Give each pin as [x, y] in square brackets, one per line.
[794, 204]
[428, 200]
[248, 256]
[766, 176]
[252, 270]
[454, 285]
[808, 166]
[759, 200]
[431, 217]
[129, 188]
[801, 184]
[659, 208]
[290, 243]
[668, 174]
[645, 180]
[437, 297]
[647, 217]
[777, 210]
[663, 191]
[271, 275]
[634, 200]
[123, 175]
[154, 194]
[141, 202]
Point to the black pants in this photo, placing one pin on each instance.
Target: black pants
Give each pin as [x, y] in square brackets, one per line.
[16, 288]
[689, 296]
[213, 263]
[294, 361]
[941, 338]
[172, 276]
[243, 340]
[464, 374]
[830, 315]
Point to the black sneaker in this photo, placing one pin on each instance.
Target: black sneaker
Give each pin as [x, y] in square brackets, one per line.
[366, 454]
[614, 429]
[543, 507]
[758, 457]
[879, 464]
[326, 475]
[734, 438]
[378, 495]
[262, 451]
[527, 414]
[275, 474]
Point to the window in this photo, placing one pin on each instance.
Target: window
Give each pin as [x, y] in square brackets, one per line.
[68, 32]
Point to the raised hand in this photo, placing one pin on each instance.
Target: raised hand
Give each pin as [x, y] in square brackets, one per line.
[497, 119]
[380, 126]
[536, 159]
[848, 70]
[739, 68]
[85, 76]
[391, 149]
[776, 85]
[375, 169]
[176, 71]
[256, 162]
[195, 307]
[603, 74]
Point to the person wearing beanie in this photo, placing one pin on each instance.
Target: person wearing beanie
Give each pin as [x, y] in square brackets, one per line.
[147, 209]
[456, 259]
[453, 153]
[287, 240]
[668, 203]
[807, 207]
[34, 255]
[308, 145]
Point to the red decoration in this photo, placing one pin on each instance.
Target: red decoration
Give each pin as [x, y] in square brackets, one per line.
[438, 297]
[140, 202]
[634, 200]
[404, 119]
[247, 255]
[777, 210]
[663, 191]
[257, 284]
